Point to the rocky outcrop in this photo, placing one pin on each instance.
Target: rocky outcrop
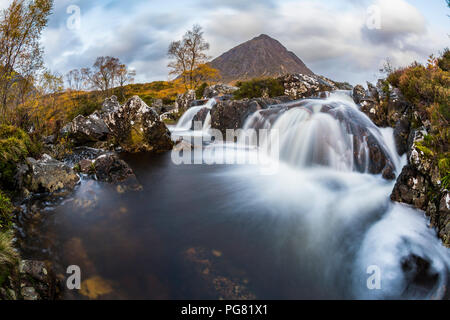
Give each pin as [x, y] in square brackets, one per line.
[110, 105]
[412, 188]
[401, 134]
[200, 117]
[359, 93]
[135, 127]
[218, 90]
[232, 114]
[298, 86]
[419, 185]
[110, 168]
[184, 101]
[383, 104]
[85, 130]
[48, 175]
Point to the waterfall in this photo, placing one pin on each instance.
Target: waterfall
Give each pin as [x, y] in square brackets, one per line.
[329, 132]
[185, 122]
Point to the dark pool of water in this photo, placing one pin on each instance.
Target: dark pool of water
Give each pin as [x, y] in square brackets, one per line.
[199, 232]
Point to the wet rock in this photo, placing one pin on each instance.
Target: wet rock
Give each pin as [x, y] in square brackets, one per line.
[412, 188]
[200, 117]
[401, 135]
[183, 145]
[184, 101]
[373, 92]
[37, 280]
[84, 130]
[416, 155]
[83, 153]
[36, 269]
[359, 93]
[110, 168]
[29, 294]
[232, 114]
[374, 111]
[136, 127]
[48, 175]
[85, 166]
[217, 275]
[218, 90]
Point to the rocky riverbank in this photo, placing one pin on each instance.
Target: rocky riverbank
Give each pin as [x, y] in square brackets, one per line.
[86, 148]
[89, 147]
[423, 182]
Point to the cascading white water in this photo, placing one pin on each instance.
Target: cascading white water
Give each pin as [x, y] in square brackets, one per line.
[348, 224]
[185, 122]
[349, 214]
[329, 132]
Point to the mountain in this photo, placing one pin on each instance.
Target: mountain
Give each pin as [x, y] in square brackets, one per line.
[260, 57]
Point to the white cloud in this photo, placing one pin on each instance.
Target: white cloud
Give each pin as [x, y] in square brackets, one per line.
[330, 36]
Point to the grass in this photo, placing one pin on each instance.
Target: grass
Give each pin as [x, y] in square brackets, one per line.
[8, 255]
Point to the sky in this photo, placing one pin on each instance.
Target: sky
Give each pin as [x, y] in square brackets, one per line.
[345, 40]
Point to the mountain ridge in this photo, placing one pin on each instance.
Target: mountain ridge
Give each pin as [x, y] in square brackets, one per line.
[260, 57]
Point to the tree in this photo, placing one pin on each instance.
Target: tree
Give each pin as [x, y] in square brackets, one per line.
[108, 73]
[76, 80]
[187, 55]
[21, 25]
[124, 76]
[204, 73]
[50, 85]
[105, 72]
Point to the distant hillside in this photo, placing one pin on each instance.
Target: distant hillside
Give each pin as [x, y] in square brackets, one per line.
[260, 57]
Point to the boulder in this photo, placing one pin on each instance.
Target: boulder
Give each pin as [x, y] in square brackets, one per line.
[218, 90]
[110, 168]
[419, 185]
[359, 93]
[110, 105]
[232, 114]
[200, 117]
[84, 130]
[373, 92]
[184, 101]
[412, 188]
[48, 175]
[85, 166]
[37, 280]
[401, 134]
[136, 127]
[299, 86]
[374, 111]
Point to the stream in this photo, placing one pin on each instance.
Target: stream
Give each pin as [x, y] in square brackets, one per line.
[318, 227]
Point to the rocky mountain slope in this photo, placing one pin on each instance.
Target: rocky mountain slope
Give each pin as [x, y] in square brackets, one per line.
[260, 57]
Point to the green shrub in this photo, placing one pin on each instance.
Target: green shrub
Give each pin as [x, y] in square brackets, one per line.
[200, 90]
[257, 87]
[5, 211]
[15, 146]
[444, 61]
[446, 181]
